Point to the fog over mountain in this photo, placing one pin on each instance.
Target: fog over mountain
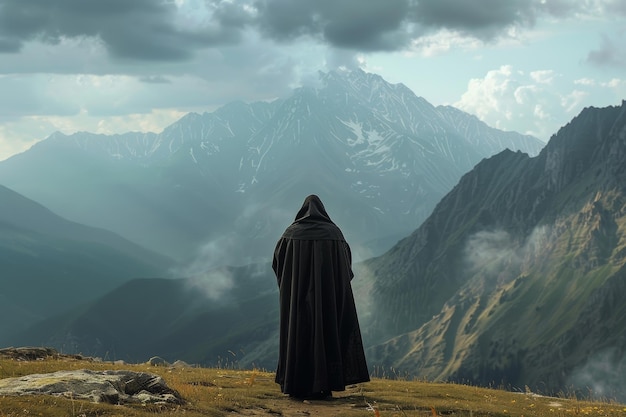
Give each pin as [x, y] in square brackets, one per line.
[379, 156]
[484, 256]
[517, 276]
[50, 264]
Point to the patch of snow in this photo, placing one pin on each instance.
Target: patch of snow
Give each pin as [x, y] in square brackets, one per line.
[357, 129]
[227, 125]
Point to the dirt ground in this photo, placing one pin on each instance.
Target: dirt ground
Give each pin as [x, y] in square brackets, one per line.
[349, 402]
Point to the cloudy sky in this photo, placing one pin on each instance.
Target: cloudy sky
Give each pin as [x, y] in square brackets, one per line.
[112, 66]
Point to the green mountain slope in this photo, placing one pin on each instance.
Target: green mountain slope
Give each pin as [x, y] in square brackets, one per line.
[516, 277]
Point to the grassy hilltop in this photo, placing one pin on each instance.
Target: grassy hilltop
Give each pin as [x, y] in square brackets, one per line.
[232, 392]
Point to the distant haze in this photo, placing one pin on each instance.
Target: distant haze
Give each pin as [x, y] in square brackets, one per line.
[218, 188]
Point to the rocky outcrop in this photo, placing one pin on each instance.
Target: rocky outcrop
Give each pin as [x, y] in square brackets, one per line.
[110, 386]
[113, 387]
[28, 353]
[514, 277]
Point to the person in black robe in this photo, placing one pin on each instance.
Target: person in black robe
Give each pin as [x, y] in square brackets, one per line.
[321, 349]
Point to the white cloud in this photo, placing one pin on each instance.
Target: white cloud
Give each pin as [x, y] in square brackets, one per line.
[602, 375]
[206, 273]
[615, 83]
[16, 138]
[442, 42]
[155, 121]
[573, 101]
[488, 97]
[543, 76]
[536, 103]
[487, 251]
[585, 81]
[525, 94]
[19, 135]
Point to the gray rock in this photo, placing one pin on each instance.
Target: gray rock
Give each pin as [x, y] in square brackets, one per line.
[181, 364]
[31, 353]
[157, 361]
[113, 387]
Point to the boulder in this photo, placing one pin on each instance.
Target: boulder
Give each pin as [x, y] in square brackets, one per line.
[181, 364]
[111, 386]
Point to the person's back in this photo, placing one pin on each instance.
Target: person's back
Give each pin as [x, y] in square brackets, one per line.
[320, 341]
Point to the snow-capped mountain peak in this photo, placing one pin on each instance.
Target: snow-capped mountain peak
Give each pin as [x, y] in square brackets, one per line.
[375, 149]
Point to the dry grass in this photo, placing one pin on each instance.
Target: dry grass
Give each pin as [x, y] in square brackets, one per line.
[228, 392]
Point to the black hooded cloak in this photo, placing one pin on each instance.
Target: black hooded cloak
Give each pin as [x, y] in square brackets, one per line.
[321, 349]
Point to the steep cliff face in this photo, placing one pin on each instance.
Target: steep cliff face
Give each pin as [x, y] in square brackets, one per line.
[515, 276]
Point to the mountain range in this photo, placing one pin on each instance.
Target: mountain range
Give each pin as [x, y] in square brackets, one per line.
[379, 156]
[514, 277]
[216, 189]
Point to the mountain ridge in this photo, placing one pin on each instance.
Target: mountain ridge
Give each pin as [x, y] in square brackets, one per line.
[533, 250]
[515, 278]
[377, 152]
[50, 264]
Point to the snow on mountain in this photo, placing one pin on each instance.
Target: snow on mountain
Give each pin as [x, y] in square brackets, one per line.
[376, 153]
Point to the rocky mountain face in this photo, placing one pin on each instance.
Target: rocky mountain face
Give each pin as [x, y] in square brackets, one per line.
[517, 278]
[379, 156]
[517, 275]
[50, 264]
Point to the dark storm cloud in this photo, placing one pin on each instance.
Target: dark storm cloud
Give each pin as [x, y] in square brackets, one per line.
[392, 24]
[129, 29]
[351, 24]
[480, 18]
[9, 45]
[617, 6]
[157, 30]
[611, 53]
[562, 8]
